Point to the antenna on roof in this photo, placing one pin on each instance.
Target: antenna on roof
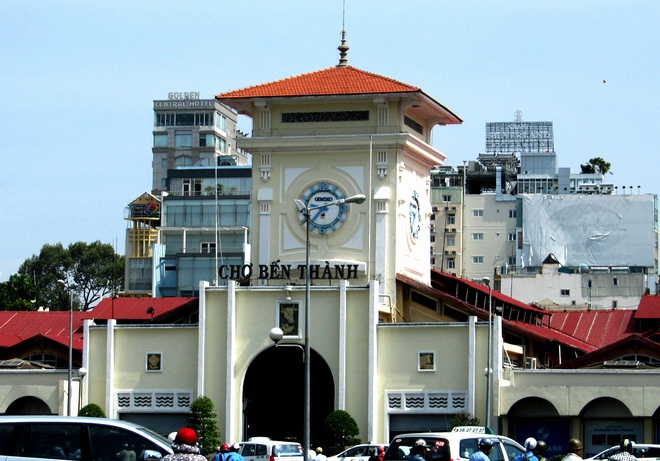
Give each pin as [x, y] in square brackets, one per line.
[343, 48]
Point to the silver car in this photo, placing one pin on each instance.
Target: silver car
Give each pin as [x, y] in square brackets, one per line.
[39, 438]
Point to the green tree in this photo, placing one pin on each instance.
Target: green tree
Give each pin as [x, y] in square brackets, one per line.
[202, 420]
[596, 165]
[90, 271]
[342, 431]
[93, 410]
[18, 294]
[464, 419]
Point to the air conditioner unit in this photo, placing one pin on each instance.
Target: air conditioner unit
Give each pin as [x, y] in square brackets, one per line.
[446, 208]
[453, 208]
[530, 363]
[434, 209]
[453, 252]
[453, 229]
[447, 252]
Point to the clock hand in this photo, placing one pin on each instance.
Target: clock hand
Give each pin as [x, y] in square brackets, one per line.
[321, 210]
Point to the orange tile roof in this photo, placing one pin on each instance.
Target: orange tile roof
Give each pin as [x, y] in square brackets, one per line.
[331, 81]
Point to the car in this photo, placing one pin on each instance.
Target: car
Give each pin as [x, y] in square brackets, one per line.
[640, 450]
[40, 438]
[358, 452]
[460, 443]
[265, 449]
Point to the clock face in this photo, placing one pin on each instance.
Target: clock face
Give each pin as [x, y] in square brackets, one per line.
[324, 215]
[414, 217]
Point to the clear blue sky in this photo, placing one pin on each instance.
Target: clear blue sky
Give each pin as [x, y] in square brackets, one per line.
[78, 78]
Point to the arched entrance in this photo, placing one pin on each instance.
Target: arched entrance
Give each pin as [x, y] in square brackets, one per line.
[273, 395]
[607, 421]
[539, 418]
[28, 406]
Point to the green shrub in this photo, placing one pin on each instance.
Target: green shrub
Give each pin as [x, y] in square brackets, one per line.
[202, 420]
[93, 410]
[341, 431]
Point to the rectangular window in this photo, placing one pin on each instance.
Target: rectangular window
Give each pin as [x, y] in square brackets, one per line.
[206, 140]
[511, 236]
[451, 219]
[446, 198]
[477, 259]
[512, 213]
[183, 140]
[221, 121]
[451, 263]
[615, 281]
[160, 140]
[222, 144]
[478, 213]
[512, 261]
[451, 240]
[478, 236]
[564, 292]
[207, 247]
[154, 361]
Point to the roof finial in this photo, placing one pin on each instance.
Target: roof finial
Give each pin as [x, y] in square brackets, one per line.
[343, 48]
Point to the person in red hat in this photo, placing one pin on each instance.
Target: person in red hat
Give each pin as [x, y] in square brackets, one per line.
[185, 447]
[223, 454]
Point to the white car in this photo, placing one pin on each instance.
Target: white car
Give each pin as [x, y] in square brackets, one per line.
[265, 449]
[642, 451]
[358, 452]
[461, 442]
[49, 438]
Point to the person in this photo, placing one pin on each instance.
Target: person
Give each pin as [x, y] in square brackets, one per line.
[185, 447]
[541, 450]
[319, 455]
[485, 447]
[574, 451]
[380, 456]
[234, 454]
[530, 444]
[418, 452]
[625, 454]
[223, 453]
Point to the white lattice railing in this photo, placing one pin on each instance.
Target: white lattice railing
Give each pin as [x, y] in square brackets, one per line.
[154, 401]
[427, 401]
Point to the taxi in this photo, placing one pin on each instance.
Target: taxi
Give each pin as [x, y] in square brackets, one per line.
[456, 445]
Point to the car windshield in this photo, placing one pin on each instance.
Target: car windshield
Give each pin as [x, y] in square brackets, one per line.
[288, 449]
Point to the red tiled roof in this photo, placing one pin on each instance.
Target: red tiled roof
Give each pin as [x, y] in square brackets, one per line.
[649, 307]
[19, 326]
[330, 81]
[597, 327]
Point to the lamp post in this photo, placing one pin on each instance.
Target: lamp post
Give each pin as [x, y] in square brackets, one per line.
[305, 210]
[489, 370]
[68, 392]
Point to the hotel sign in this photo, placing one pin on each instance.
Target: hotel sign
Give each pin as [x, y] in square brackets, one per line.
[184, 100]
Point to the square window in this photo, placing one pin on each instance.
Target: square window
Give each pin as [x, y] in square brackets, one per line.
[426, 361]
[288, 318]
[154, 361]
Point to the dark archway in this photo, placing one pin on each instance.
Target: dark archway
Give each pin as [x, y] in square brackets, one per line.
[28, 406]
[273, 395]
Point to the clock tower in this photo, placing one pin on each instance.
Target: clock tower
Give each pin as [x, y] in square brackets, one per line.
[331, 134]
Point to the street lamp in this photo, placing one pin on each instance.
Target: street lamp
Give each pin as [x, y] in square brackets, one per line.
[68, 392]
[305, 210]
[489, 370]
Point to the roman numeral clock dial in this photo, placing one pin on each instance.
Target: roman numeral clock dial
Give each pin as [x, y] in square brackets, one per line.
[324, 217]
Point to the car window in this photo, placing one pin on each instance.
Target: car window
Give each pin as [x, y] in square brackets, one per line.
[437, 448]
[287, 449]
[117, 444]
[261, 450]
[497, 454]
[467, 447]
[511, 450]
[646, 452]
[355, 451]
[54, 441]
[7, 447]
[247, 449]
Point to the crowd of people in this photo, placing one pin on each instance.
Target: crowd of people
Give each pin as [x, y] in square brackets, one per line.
[185, 448]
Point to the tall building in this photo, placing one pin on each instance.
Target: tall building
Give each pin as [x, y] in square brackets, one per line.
[197, 214]
[503, 214]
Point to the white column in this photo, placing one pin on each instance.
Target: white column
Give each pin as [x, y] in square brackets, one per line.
[472, 364]
[201, 338]
[341, 379]
[230, 399]
[110, 409]
[372, 375]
